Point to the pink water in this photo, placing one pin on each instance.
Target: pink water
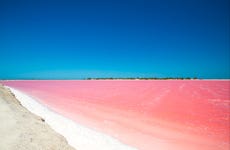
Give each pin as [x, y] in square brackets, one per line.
[149, 115]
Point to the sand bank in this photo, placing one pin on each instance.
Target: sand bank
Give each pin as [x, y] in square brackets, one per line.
[22, 130]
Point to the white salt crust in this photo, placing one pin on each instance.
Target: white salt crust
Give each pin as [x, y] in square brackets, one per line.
[78, 136]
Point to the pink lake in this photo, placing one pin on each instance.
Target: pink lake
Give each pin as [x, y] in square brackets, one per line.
[146, 114]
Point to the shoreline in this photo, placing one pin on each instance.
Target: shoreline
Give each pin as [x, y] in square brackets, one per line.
[20, 129]
[78, 136]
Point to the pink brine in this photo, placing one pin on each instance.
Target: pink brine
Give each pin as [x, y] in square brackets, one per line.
[153, 114]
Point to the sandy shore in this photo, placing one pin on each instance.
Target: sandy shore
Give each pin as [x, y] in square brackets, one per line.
[22, 130]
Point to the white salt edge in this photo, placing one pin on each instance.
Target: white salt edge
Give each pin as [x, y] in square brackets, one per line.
[78, 136]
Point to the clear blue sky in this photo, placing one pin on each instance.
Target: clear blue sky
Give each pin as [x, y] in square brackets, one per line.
[120, 38]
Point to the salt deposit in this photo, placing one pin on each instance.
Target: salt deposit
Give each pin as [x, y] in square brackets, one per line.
[78, 136]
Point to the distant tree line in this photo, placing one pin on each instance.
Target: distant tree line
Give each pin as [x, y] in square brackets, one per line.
[145, 78]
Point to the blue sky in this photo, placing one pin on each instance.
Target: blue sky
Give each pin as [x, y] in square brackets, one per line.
[120, 38]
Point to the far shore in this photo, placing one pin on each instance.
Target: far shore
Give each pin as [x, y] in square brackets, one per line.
[115, 79]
